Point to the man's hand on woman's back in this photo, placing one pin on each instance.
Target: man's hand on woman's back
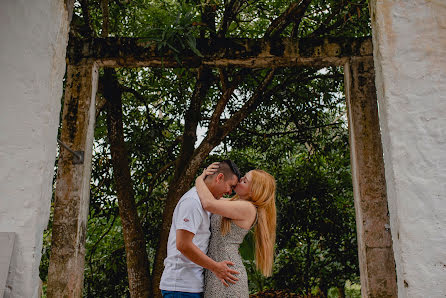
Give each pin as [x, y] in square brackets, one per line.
[224, 273]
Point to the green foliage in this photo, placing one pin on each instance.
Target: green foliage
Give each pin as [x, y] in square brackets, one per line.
[177, 34]
[318, 245]
[105, 272]
[298, 134]
[316, 238]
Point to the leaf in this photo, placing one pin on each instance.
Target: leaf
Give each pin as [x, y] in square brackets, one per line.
[191, 41]
[247, 247]
[173, 48]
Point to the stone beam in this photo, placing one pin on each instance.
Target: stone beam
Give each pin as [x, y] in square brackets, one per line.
[376, 260]
[249, 53]
[66, 269]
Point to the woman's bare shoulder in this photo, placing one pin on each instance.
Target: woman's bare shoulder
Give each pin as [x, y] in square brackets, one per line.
[249, 205]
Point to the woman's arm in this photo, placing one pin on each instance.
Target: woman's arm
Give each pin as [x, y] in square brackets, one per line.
[206, 197]
[239, 210]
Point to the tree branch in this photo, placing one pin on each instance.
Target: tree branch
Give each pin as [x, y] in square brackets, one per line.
[281, 133]
[135, 93]
[123, 89]
[294, 13]
[152, 185]
[250, 105]
[93, 249]
[223, 101]
[86, 14]
[192, 117]
[100, 105]
[208, 17]
[324, 27]
[106, 19]
[210, 141]
[223, 78]
[231, 10]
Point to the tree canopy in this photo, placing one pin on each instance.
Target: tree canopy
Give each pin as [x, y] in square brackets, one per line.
[290, 122]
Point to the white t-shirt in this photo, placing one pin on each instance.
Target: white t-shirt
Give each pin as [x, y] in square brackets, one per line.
[181, 274]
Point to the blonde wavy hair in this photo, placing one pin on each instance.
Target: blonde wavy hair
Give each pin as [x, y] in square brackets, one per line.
[263, 189]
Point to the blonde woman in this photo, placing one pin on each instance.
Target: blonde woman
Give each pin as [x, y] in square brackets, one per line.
[253, 206]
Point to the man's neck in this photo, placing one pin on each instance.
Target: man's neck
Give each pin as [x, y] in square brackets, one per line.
[209, 185]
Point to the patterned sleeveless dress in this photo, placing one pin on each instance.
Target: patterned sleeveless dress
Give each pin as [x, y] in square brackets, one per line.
[226, 248]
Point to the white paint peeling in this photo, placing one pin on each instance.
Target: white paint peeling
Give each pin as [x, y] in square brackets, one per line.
[410, 60]
[32, 64]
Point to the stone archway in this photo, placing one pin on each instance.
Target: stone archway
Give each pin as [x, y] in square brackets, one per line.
[410, 65]
[377, 266]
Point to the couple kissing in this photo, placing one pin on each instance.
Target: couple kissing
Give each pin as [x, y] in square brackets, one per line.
[203, 258]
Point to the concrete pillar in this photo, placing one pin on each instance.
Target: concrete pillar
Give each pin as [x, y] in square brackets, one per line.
[409, 44]
[66, 269]
[376, 261]
[34, 37]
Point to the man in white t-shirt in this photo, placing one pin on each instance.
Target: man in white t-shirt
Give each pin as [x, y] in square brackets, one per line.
[189, 238]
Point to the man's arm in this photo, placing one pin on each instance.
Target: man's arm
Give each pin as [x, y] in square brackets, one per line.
[192, 252]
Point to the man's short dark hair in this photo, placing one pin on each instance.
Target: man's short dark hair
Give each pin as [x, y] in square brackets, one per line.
[228, 168]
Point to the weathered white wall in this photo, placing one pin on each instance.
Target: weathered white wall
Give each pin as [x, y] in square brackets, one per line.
[409, 39]
[33, 39]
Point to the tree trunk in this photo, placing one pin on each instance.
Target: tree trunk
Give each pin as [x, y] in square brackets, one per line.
[341, 291]
[190, 159]
[181, 184]
[186, 168]
[176, 190]
[135, 246]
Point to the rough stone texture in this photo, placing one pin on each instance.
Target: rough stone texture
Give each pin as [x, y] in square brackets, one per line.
[410, 60]
[250, 53]
[376, 262]
[66, 270]
[32, 64]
